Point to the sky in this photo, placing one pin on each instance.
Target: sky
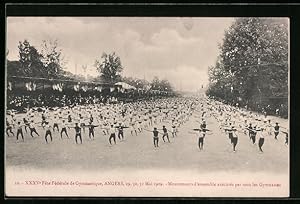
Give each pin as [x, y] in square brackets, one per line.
[175, 48]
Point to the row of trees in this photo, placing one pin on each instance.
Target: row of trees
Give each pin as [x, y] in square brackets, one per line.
[155, 84]
[252, 67]
[50, 63]
[110, 69]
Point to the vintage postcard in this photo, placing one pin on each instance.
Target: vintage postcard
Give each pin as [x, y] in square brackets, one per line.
[147, 107]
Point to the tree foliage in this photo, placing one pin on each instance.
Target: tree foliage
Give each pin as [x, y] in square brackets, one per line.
[138, 83]
[30, 60]
[155, 84]
[161, 85]
[52, 58]
[109, 67]
[46, 63]
[252, 67]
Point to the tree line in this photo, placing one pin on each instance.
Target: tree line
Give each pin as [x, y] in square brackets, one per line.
[49, 62]
[252, 66]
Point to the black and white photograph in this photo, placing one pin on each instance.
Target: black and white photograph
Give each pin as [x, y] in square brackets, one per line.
[147, 106]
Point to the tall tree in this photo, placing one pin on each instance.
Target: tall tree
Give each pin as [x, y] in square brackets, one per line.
[155, 83]
[253, 61]
[30, 60]
[53, 60]
[165, 85]
[109, 67]
[161, 85]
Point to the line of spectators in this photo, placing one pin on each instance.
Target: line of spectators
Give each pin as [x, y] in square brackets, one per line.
[19, 101]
